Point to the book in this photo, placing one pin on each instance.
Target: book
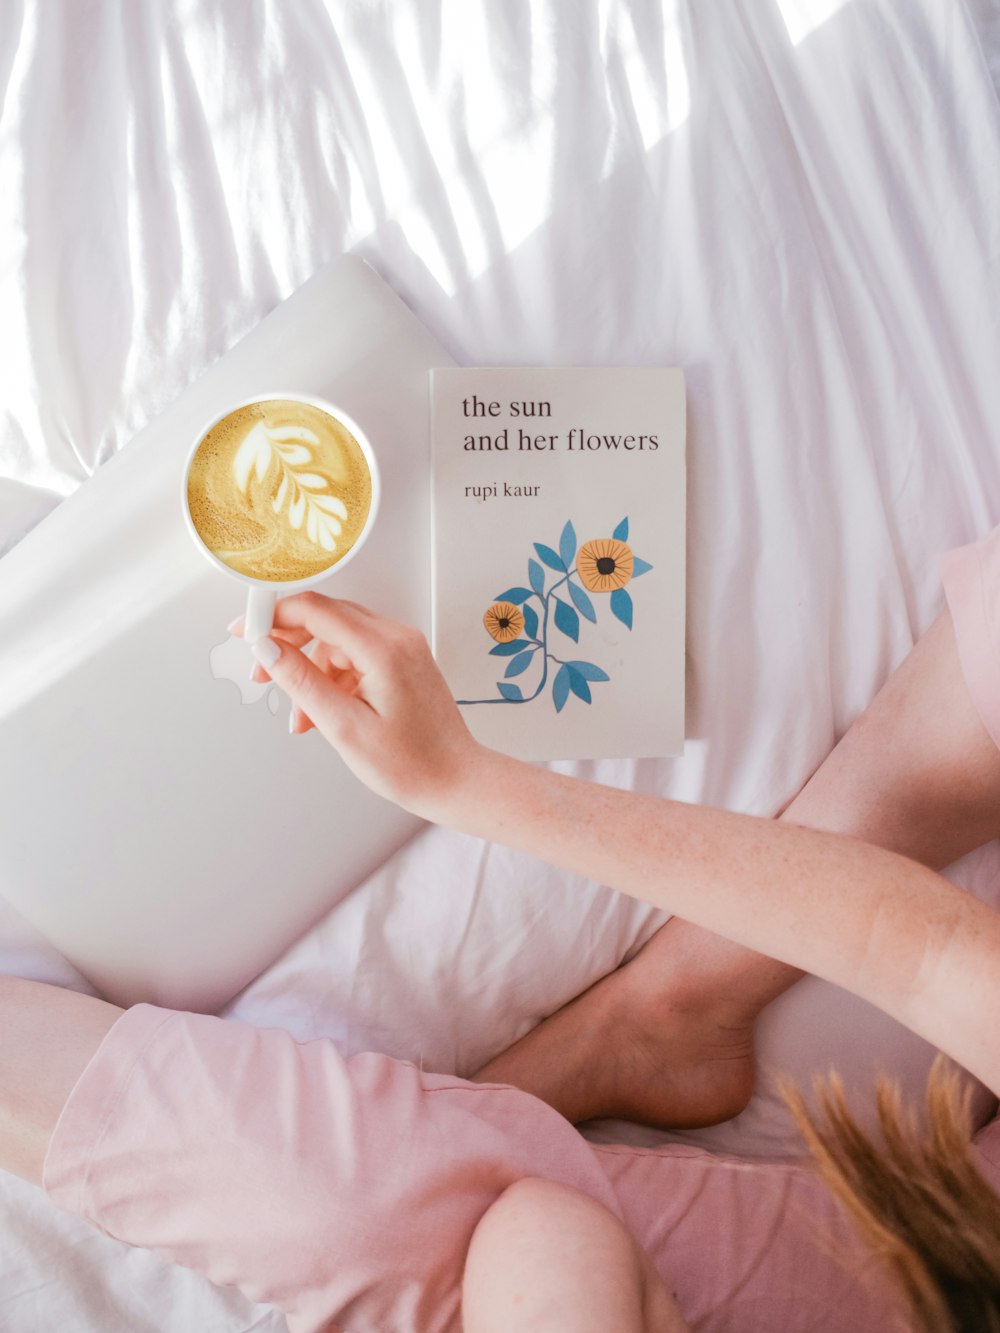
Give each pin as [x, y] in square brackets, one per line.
[558, 545]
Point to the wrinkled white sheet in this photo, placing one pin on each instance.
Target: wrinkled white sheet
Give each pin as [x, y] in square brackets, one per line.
[795, 200]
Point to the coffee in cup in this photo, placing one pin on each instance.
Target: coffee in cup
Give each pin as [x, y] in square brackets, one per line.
[279, 490]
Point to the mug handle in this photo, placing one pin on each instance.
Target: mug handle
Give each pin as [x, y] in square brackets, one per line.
[260, 614]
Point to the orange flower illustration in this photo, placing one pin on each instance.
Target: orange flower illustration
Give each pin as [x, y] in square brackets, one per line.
[604, 564]
[503, 621]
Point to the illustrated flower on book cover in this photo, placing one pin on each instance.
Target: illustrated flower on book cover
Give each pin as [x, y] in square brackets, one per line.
[503, 621]
[605, 564]
[521, 619]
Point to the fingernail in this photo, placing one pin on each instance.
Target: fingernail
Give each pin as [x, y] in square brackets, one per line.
[293, 718]
[233, 623]
[266, 652]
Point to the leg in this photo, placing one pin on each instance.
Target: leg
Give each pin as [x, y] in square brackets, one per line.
[47, 1037]
[667, 1039]
[545, 1257]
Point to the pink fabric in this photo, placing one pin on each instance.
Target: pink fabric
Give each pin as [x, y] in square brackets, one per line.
[346, 1191]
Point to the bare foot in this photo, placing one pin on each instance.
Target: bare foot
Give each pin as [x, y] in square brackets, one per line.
[654, 1042]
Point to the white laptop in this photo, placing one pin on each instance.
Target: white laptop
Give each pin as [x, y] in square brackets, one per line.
[157, 822]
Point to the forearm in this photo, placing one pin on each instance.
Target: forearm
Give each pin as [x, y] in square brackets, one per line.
[857, 915]
[866, 918]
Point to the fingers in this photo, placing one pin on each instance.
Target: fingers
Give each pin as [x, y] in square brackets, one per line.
[313, 693]
[298, 723]
[296, 635]
[350, 641]
[334, 664]
[337, 659]
[300, 638]
[354, 638]
[326, 659]
[357, 634]
[334, 621]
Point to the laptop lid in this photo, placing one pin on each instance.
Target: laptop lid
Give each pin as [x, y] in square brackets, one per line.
[157, 822]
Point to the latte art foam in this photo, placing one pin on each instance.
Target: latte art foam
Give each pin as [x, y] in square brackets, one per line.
[279, 490]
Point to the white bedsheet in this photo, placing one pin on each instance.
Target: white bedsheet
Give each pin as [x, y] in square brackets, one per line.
[795, 200]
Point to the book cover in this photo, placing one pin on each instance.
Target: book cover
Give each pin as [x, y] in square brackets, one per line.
[558, 502]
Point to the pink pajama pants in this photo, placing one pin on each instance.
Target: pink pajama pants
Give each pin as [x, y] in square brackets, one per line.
[346, 1191]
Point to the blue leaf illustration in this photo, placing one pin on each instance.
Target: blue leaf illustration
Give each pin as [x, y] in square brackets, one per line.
[588, 671]
[620, 533]
[567, 545]
[520, 663]
[560, 688]
[578, 685]
[509, 691]
[509, 649]
[567, 620]
[536, 576]
[546, 554]
[640, 567]
[515, 595]
[621, 606]
[530, 622]
[583, 603]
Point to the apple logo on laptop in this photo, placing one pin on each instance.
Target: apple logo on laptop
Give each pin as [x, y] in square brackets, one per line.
[231, 661]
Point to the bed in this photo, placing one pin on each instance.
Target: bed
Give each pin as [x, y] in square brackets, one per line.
[794, 200]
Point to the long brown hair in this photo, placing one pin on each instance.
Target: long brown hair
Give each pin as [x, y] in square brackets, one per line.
[919, 1200]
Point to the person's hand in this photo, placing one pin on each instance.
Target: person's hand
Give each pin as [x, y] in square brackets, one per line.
[372, 688]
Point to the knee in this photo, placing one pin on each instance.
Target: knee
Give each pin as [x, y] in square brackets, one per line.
[546, 1252]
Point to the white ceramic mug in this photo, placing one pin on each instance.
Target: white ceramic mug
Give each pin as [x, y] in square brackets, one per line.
[262, 594]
